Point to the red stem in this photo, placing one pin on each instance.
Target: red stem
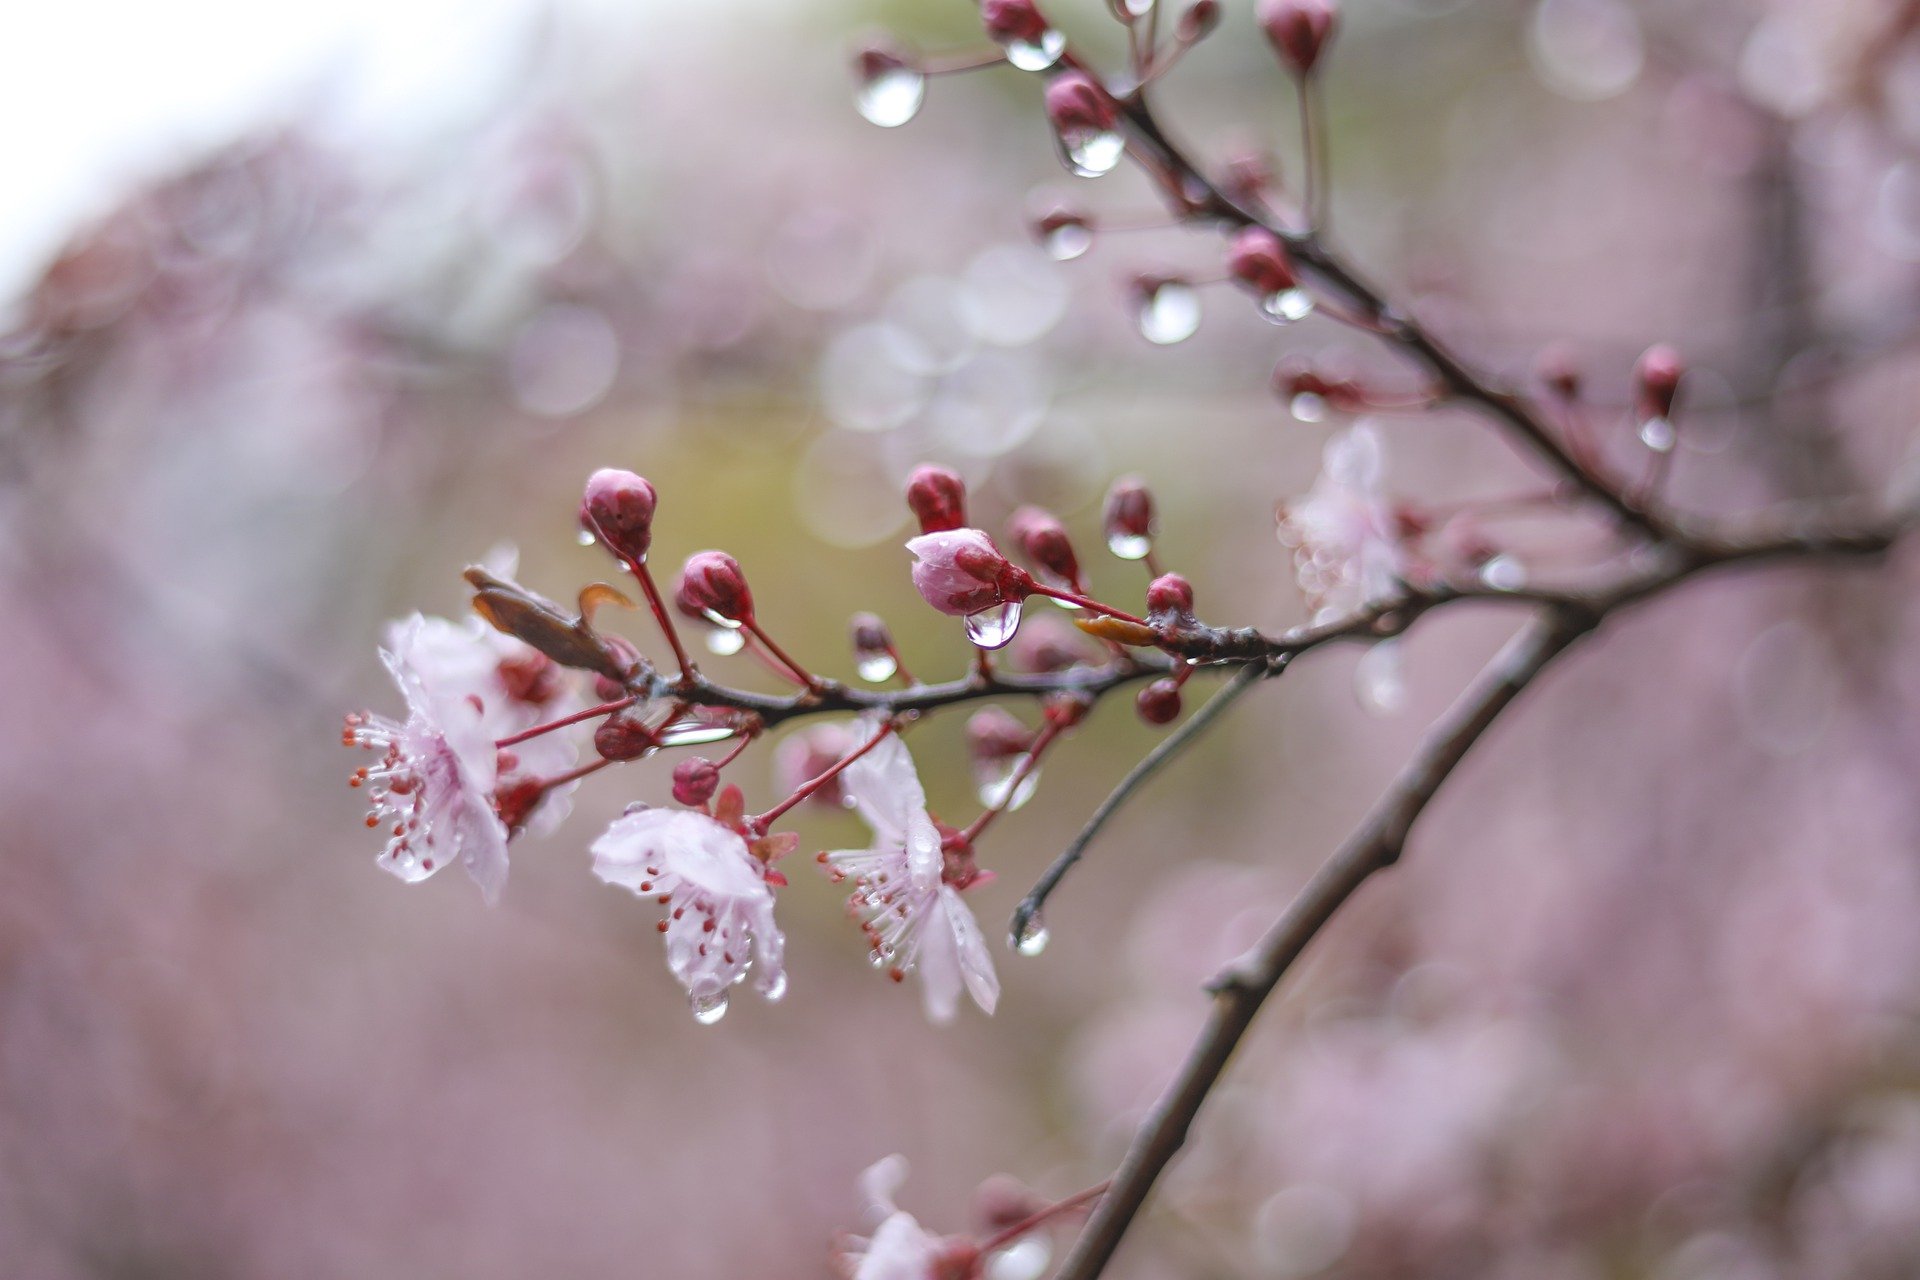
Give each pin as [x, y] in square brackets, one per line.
[808, 788]
[576, 774]
[604, 709]
[1028, 763]
[799, 672]
[1041, 589]
[1008, 1235]
[639, 570]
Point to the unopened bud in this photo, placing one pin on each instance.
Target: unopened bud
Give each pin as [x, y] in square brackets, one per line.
[1198, 22]
[1170, 595]
[938, 498]
[962, 572]
[1247, 176]
[1159, 702]
[695, 780]
[1043, 540]
[713, 587]
[1656, 380]
[1128, 518]
[1063, 232]
[993, 735]
[617, 508]
[1259, 262]
[1003, 1201]
[1077, 104]
[1298, 30]
[623, 737]
[1010, 20]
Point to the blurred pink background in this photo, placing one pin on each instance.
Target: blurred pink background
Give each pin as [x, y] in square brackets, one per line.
[1641, 1002]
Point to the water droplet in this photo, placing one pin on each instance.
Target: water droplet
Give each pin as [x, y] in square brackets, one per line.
[1308, 406]
[777, 988]
[1067, 241]
[995, 780]
[1033, 936]
[1287, 306]
[1022, 1260]
[875, 667]
[1088, 153]
[892, 97]
[725, 641]
[1503, 573]
[694, 733]
[1657, 434]
[720, 620]
[585, 538]
[1129, 546]
[1169, 312]
[1379, 680]
[1039, 54]
[709, 1009]
[993, 627]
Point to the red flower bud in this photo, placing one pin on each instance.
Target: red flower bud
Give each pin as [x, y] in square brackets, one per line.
[938, 498]
[1298, 30]
[1128, 518]
[1077, 104]
[1198, 22]
[1259, 261]
[695, 780]
[1043, 540]
[1170, 594]
[1656, 379]
[1008, 20]
[623, 737]
[1159, 702]
[617, 508]
[961, 572]
[994, 735]
[712, 587]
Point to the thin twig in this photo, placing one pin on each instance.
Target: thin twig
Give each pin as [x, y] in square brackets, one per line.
[1168, 747]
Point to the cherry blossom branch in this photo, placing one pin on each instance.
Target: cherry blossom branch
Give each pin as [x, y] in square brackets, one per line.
[1559, 624]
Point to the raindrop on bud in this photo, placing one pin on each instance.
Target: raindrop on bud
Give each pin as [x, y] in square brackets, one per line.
[1287, 306]
[1128, 518]
[1063, 233]
[1379, 679]
[712, 587]
[891, 86]
[873, 655]
[777, 989]
[725, 639]
[1503, 572]
[993, 627]
[709, 1009]
[1658, 434]
[1167, 309]
[1017, 27]
[1308, 407]
[1656, 380]
[1085, 123]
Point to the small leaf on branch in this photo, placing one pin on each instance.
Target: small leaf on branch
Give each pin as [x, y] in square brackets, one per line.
[1118, 630]
[569, 641]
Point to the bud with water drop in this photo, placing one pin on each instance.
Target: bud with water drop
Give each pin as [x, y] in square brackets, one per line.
[1063, 232]
[712, 587]
[1298, 30]
[1260, 263]
[961, 572]
[874, 656]
[1086, 123]
[617, 509]
[625, 735]
[997, 743]
[1128, 518]
[891, 84]
[1656, 382]
[1198, 22]
[1043, 540]
[1031, 43]
[938, 498]
[1169, 599]
[1166, 308]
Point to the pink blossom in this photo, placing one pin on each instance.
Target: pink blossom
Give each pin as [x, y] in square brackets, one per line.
[433, 787]
[720, 920]
[900, 1248]
[1346, 539]
[915, 918]
[961, 571]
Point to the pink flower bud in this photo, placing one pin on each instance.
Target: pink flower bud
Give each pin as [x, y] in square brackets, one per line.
[993, 735]
[1159, 702]
[1298, 30]
[961, 571]
[870, 635]
[1076, 104]
[1043, 540]
[617, 508]
[1009, 20]
[938, 498]
[1170, 595]
[695, 780]
[712, 587]
[1259, 261]
[1128, 518]
[623, 737]
[1198, 22]
[1656, 379]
